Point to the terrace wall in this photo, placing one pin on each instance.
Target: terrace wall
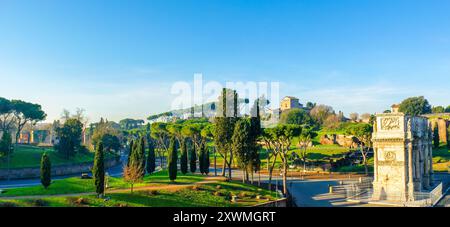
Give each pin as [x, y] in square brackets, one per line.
[60, 170]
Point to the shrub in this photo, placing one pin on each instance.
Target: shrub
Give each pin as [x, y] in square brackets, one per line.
[121, 205]
[39, 203]
[7, 204]
[77, 201]
[195, 188]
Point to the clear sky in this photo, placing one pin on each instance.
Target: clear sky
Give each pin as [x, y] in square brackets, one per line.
[119, 58]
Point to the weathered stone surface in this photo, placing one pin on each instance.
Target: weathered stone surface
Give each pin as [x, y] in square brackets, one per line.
[24, 173]
[442, 125]
[341, 140]
[403, 156]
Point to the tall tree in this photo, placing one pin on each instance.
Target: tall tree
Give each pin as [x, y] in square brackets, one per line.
[6, 115]
[272, 149]
[363, 132]
[256, 132]
[192, 159]
[304, 141]
[284, 135]
[448, 137]
[137, 157]
[172, 161]
[206, 161]
[151, 158]
[242, 147]
[69, 136]
[415, 106]
[201, 159]
[46, 171]
[161, 135]
[25, 112]
[224, 127]
[208, 135]
[130, 151]
[436, 138]
[321, 112]
[5, 144]
[438, 109]
[98, 170]
[184, 157]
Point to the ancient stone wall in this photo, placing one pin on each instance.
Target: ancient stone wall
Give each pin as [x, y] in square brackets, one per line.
[25, 173]
[341, 140]
[442, 125]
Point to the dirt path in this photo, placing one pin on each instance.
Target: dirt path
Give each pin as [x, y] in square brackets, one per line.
[170, 187]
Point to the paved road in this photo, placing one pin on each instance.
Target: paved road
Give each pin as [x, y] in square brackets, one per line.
[113, 171]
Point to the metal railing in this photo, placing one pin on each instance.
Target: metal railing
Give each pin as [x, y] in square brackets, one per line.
[362, 191]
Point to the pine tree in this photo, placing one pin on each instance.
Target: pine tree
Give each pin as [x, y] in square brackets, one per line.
[193, 159]
[436, 138]
[151, 158]
[172, 162]
[98, 170]
[46, 171]
[184, 157]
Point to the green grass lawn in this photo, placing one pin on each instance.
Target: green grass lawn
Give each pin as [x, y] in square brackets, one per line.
[208, 195]
[30, 156]
[441, 159]
[78, 185]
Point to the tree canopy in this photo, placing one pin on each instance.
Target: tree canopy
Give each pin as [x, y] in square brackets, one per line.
[296, 116]
[415, 106]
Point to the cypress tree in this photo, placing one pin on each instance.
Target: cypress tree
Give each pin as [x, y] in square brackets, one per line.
[448, 137]
[98, 170]
[184, 157]
[172, 162]
[242, 145]
[201, 159]
[151, 158]
[130, 150]
[137, 157]
[193, 159]
[436, 138]
[207, 162]
[46, 168]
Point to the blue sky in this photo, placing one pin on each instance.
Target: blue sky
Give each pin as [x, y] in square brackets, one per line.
[118, 58]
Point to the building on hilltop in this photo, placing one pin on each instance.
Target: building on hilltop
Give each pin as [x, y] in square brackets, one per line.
[290, 102]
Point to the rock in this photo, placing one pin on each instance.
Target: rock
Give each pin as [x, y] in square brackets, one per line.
[328, 139]
[347, 141]
[341, 140]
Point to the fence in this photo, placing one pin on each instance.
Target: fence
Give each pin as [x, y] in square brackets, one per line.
[362, 191]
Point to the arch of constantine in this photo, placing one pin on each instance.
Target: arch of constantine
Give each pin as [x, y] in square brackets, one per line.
[402, 157]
